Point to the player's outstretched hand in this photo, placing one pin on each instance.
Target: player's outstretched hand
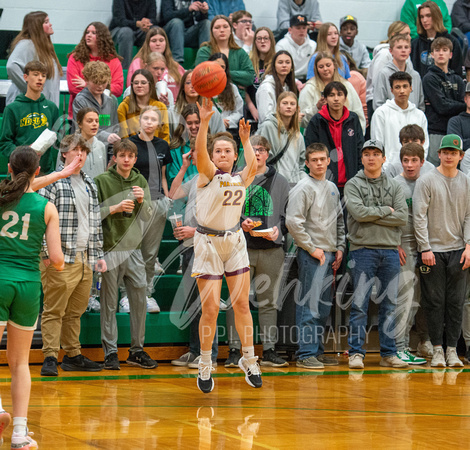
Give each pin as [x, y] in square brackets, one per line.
[205, 110]
[244, 130]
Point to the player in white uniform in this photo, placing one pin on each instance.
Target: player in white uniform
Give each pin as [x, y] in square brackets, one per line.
[219, 243]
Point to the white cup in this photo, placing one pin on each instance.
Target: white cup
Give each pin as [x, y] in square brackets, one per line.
[162, 88]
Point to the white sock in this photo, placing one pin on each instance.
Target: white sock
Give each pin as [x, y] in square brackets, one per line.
[249, 354]
[206, 357]
[437, 346]
[19, 425]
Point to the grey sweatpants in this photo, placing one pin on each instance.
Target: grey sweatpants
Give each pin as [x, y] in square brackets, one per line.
[153, 232]
[129, 267]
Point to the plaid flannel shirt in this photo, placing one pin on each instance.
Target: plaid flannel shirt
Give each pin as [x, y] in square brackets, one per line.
[62, 196]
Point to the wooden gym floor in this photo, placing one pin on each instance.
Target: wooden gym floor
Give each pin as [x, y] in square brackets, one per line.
[297, 409]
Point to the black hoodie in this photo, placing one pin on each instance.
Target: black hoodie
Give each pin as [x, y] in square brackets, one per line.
[266, 200]
[421, 54]
[444, 98]
[460, 125]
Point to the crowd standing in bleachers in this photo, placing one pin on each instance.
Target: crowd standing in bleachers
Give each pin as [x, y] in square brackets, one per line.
[310, 109]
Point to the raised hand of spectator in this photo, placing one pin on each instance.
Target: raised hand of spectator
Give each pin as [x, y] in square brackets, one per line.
[248, 36]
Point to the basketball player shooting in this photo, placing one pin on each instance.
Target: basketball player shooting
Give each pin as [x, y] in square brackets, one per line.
[219, 243]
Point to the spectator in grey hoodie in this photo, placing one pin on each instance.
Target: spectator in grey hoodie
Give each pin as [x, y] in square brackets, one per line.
[98, 76]
[315, 220]
[376, 210]
[400, 49]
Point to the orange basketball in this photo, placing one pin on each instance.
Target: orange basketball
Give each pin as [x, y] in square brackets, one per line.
[208, 79]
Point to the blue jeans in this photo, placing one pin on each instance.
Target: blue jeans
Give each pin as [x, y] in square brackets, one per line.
[315, 302]
[382, 268]
[179, 36]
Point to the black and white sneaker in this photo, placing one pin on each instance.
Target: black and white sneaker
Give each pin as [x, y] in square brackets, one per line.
[205, 383]
[272, 359]
[252, 372]
[111, 362]
[141, 359]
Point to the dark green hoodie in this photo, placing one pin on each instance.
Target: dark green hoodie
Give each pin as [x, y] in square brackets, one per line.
[122, 233]
[23, 122]
[371, 222]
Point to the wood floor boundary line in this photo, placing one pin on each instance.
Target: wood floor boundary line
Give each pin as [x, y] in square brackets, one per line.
[240, 374]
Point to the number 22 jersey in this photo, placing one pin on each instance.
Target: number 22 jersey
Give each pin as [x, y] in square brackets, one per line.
[22, 229]
[219, 204]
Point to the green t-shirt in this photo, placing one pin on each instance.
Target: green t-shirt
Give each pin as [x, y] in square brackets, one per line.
[22, 229]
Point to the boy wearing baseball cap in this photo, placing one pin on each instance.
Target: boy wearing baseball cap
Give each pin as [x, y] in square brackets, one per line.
[376, 210]
[348, 31]
[298, 44]
[441, 216]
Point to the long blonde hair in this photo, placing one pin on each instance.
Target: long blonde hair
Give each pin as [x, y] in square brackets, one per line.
[322, 45]
[33, 29]
[336, 76]
[293, 129]
[254, 54]
[171, 64]
[395, 28]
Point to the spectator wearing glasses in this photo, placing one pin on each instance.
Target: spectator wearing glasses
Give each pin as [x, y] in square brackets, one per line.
[242, 23]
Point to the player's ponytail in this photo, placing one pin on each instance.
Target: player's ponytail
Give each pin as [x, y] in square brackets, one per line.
[23, 163]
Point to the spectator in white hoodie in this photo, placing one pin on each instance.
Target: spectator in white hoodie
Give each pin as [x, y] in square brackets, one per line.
[391, 117]
[279, 77]
[298, 44]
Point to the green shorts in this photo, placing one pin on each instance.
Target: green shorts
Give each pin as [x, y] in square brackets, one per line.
[19, 303]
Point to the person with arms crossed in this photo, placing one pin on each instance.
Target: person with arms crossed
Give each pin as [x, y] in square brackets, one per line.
[376, 211]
